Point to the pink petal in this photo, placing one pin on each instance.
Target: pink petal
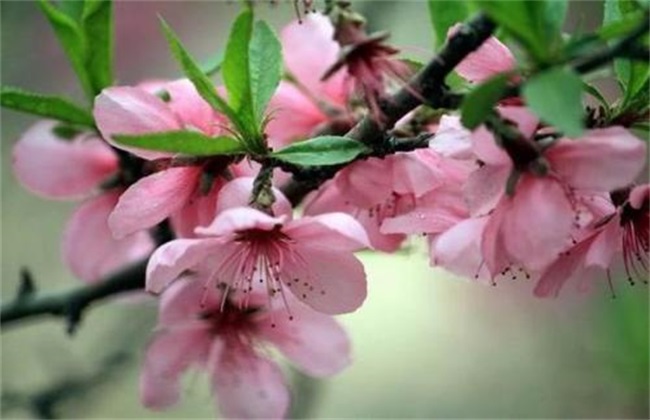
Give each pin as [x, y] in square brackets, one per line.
[487, 150]
[192, 110]
[490, 59]
[328, 281]
[493, 248]
[605, 245]
[249, 386]
[293, 116]
[198, 211]
[313, 341]
[525, 120]
[416, 172]
[239, 219]
[90, 250]
[184, 299]
[566, 266]
[154, 198]
[537, 222]
[333, 231]
[602, 160]
[435, 212]
[639, 195]
[485, 187]
[169, 354]
[309, 50]
[458, 249]
[328, 199]
[131, 110]
[237, 193]
[170, 260]
[366, 183]
[452, 139]
[59, 168]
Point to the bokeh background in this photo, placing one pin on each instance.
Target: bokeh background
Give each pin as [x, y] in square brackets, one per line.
[426, 344]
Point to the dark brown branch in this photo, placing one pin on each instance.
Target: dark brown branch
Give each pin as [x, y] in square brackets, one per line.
[70, 304]
[426, 87]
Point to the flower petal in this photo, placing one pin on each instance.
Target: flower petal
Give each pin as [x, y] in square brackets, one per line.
[490, 59]
[90, 250]
[170, 260]
[485, 187]
[239, 219]
[309, 50]
[132, 110]
[169, 354]
[153, 198]
[452, 139]
[293, 116]
[566, 266]
[61, 168]
[313, 341]
[248, 386]
[537, 222]
[602, 160]
[328, 281]
[334, 231]
[458, 249]
[192, 110]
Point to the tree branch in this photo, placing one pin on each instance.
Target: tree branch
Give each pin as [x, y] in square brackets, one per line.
[70, 304]
[426, 87]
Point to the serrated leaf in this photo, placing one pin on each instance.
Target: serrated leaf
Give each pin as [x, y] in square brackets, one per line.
[212, 65]
[555, 96]
[72, 40]
[54, 107]
[265, 66]
[201, 82]
[72, 8]
[479, 103]
[190, 143]
[235, 68]
[325, 150]
[97, 26]
[444, 14]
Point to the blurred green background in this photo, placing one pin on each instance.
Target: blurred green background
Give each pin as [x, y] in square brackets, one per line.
[426, 344]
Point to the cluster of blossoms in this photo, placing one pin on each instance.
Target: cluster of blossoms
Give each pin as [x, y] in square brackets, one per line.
[237, 276]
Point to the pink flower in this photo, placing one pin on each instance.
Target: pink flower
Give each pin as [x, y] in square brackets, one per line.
[243, 248]
[201, 327]
[376, 189]
[600, 161]
[490, 59]
[300, 109]
[56, 167]
[619, 232]
[176, 189]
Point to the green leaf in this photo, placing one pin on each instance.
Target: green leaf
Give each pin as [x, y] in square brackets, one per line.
[535, 24]
[201, 82]
[479, 103]
[46, 106]
[631, 76]
[555, 96]
[73, 42]
[252, 67]
[190, 143]
[326, 150]
[212, 65]
[235, 68]
[265, 66]
[444, 14]
[594, 92]
[72, 8]
[97, 25]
